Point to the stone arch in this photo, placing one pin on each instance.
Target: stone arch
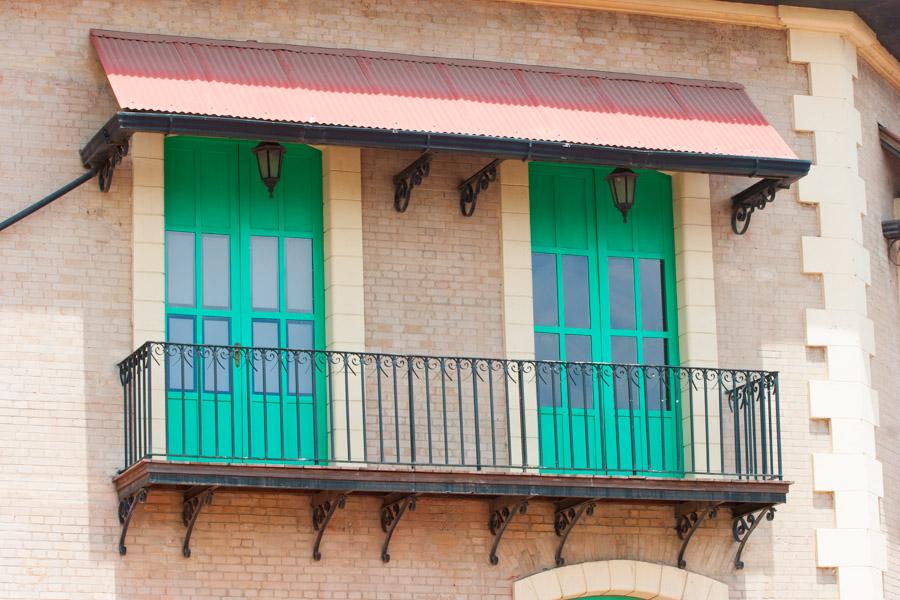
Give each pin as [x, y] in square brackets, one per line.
[629, 578]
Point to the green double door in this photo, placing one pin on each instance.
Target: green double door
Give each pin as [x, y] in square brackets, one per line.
[604, 292]
[242, 270]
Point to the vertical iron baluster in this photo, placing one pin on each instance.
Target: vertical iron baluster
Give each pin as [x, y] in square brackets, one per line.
[663, 406]
[296, 360]
[508, 415]
[615, 413]
[629, 372]
[362, 404]
[265, 407]
[134, 418]
[282, 381]
[584, 409]
[735, 403]
[378, 372]
[149, 397]
[602, 433]
[748, 459]
[642, 388]
[410, 397]
[524, 441]
[248, 379]
[183, 406]
[568, 399]
[721, 424]
[215, 362]
[706, 414]
[232, 379]
[425, 361]
[762, 424]
[769, 420]
[778, 423]
[490, 376]
[166, 375]
[444, 408]
[314, 383]
[199, 365]
[677, 418]
[474, 367]
[138, 410]
[690, 386]
[555, 432]
[124, 374]
[396, 409]
[347, 404]
[329, 374]
[753, 426]
[462, 442]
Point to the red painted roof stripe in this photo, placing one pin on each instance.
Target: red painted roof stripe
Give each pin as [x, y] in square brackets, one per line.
[424, 94]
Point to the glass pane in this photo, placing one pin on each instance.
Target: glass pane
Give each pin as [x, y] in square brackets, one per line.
[652, 296]
[624, 351]
[543, 281]
[576, 297]
[298, 283]
[656, 380]
[264, 272]
[548, 387]
[300, 335]
[179, 268]
[216, 361]
[216, 264]
[621, 293]
[266, 363]
[580, 378]
[180, 359]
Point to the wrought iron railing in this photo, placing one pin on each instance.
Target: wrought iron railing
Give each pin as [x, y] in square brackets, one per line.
[236, 404]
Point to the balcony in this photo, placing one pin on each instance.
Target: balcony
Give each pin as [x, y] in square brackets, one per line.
[200, 418]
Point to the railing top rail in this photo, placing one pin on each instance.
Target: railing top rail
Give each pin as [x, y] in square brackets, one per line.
[146, 346]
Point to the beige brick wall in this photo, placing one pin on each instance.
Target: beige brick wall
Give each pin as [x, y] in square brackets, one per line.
[432, 283]
[878, 103]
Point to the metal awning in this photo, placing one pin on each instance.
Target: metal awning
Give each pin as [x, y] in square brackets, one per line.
[191, 86]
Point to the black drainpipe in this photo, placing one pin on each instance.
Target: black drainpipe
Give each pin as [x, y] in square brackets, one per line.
[91, 172]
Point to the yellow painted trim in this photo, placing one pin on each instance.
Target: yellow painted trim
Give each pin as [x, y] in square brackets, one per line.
[846, 23]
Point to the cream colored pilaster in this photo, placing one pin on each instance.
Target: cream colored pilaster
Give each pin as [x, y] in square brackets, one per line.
[518, 312]
[855, 546]
[696, 293]
[148, 262]
[344, 301]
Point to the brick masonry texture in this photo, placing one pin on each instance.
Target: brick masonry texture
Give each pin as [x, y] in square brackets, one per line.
[432, 284]
[878, 103]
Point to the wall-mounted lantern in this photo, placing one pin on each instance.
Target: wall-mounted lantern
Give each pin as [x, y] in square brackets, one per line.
[269, 156]
[622, 183]
[891, 231]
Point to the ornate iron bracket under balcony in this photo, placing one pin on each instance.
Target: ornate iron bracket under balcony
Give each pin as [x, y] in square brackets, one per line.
[127, 504]
[194, 501]
[500, 514]
[744, 522]
[393, 509]
[323, 507]
[565, 518]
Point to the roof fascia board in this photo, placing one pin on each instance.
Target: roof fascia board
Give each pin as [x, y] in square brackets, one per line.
[125, 123]
[842, 22]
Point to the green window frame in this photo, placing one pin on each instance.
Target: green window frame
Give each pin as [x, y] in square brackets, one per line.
[574, 221]
[213, 192]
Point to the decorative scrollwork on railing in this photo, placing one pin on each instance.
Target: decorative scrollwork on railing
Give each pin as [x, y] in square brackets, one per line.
[474, 185]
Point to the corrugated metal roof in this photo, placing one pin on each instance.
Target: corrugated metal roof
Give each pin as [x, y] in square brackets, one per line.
[422, 94]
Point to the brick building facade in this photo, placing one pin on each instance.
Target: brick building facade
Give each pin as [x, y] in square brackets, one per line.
[808, 292]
